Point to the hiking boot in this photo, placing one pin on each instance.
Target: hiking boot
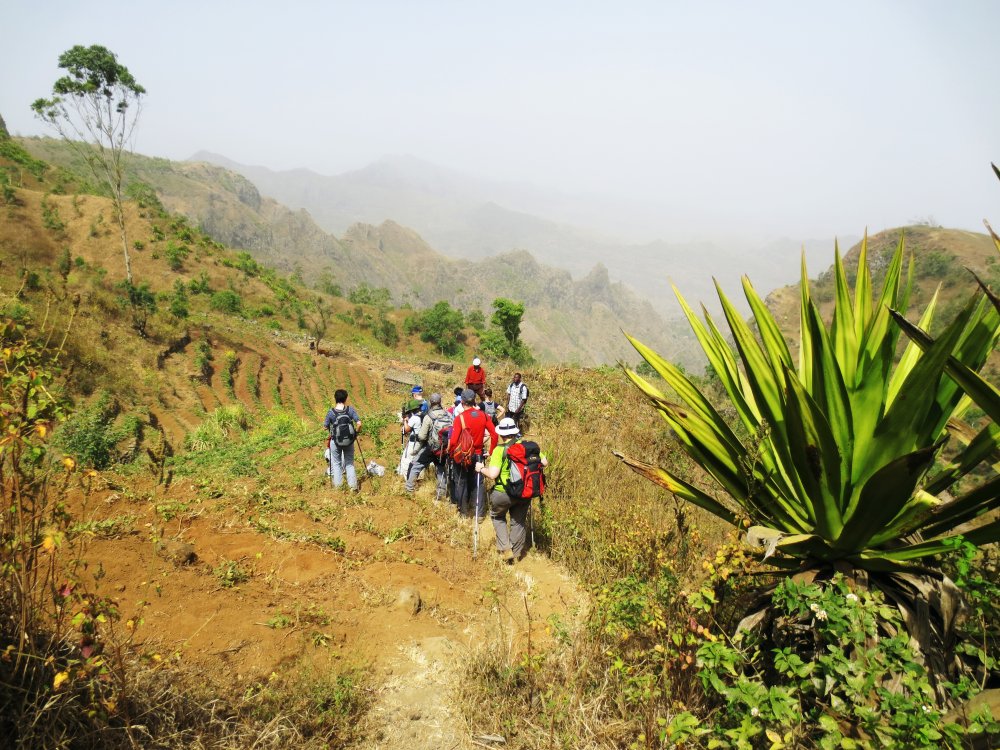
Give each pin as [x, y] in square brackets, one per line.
[508, 556]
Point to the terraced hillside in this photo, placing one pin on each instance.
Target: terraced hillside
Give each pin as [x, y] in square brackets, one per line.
[264, 373]
[322, 618]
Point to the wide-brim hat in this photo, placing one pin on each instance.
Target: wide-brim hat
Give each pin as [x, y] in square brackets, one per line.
[507, 427]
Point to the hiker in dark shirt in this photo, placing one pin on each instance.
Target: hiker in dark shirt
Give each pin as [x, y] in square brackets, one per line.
[342, 456]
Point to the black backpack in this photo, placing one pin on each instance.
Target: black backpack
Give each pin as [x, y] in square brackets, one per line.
[342, 431]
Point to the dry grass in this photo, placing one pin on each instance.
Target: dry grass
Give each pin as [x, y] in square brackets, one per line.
[606, 680]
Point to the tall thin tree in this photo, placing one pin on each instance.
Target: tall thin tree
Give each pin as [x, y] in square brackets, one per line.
[95, 108]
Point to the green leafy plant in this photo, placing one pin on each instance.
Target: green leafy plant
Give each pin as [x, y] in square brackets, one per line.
[385, 331]
[8, 194]
[232, 363]
[51, 218]
[179, 300]
[176, 253]
[398, 533]
[837, 466]
[140, 301]
[440, 325]
[93, 433]
[203, 359]
[831, 681]
[279, 622]
[231, 573]
[227, 301]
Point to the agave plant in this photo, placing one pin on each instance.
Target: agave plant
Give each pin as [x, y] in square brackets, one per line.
[841, 458]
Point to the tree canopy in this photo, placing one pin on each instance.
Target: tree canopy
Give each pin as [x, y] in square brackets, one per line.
[440, 325]
[503, 339]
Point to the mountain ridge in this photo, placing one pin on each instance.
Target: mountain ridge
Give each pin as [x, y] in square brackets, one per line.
[467, 217]
[565, 319]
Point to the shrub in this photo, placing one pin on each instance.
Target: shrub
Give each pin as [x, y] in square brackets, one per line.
[179, 300]
[65, 264]
[50, 217]
[219, 427]
[440, 325]
[827, 679]
[200, 285]
[227, 301]
[229, 371]
[176, 254]
[140, 301]
[203, 359]
[93, 433]
[8, 194]
[365, 294]
[144, 195]
[385, 331]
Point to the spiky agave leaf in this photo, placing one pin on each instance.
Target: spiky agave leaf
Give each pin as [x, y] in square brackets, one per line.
[845, 437]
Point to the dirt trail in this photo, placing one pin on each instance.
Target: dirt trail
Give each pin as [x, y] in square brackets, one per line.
[418, 706]
[240, 577]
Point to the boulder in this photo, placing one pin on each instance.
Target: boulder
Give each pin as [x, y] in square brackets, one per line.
[409, 599]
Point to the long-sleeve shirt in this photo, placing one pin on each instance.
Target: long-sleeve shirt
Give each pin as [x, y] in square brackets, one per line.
[478, 424]
[474, 376]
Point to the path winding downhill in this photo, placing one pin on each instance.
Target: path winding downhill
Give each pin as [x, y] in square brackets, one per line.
[418, 706]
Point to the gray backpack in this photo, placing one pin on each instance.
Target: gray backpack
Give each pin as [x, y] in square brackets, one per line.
[342, 431]
[441, 423]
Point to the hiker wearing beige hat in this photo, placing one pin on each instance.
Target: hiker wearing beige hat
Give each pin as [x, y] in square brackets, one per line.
[510, 500]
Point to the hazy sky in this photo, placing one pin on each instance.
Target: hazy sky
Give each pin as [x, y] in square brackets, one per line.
[778, 118]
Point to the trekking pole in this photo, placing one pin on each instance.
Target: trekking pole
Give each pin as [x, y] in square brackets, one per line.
[475, 523]
[364, 463]
[531, 520]
[329, 452]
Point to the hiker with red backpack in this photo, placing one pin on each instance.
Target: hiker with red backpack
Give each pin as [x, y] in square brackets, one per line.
[343, 424]
[466, 448]
[517, 466]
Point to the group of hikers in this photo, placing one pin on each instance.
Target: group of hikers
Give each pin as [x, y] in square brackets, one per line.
[467, 442]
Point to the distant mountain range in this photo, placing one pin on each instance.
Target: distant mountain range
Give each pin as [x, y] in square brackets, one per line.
[566, 320]
[466, 217]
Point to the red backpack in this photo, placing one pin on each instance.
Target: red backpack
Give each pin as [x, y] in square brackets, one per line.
[463, 452]
[527, 479]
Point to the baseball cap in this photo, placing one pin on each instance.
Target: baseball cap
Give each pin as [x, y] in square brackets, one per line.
[416, 389]
[476, 361]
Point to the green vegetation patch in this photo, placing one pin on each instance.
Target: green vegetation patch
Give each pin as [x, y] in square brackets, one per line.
[233, 441]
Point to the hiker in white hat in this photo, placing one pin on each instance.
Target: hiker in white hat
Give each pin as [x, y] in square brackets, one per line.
[475, 378]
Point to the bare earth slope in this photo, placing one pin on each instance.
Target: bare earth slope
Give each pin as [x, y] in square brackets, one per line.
[236, 559]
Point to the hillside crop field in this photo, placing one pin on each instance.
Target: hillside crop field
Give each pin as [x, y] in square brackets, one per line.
[179, 572]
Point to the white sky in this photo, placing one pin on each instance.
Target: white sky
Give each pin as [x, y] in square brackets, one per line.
[778, 118]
